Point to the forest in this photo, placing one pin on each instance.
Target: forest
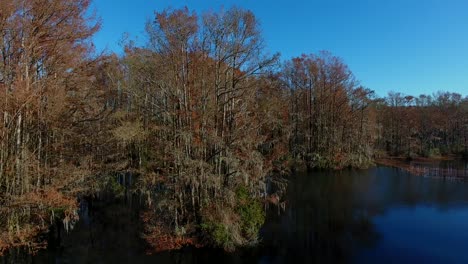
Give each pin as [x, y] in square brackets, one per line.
[202, 115]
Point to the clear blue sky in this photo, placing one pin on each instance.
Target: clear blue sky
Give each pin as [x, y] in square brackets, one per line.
[409, 46]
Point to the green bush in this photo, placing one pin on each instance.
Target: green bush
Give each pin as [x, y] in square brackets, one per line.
[112, 186]
[233, 227]
[251, 214]
[219, 234]
[58, 212]
[434, 152]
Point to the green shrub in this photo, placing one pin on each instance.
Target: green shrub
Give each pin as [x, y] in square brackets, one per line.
[229, 227]
[251, 214]
[112, 186]
[58, 212]
[219, 234]
[434, 152]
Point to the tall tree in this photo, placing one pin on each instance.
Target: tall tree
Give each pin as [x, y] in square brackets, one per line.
[331, 114]
[197, 91]
[45, 74]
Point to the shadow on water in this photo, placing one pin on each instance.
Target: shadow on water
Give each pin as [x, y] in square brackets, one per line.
[349, 217]
[380, 215]
[321, 222]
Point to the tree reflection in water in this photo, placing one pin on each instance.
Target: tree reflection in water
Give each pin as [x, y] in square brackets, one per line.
[380, 215]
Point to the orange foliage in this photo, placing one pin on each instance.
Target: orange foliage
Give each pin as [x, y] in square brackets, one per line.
[22, 238]
[41, 203]
[160, 238]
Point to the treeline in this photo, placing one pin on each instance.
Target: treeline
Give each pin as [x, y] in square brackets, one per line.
[425, 126]
[203, 116]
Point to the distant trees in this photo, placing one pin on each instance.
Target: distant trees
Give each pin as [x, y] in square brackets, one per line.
[425, 125]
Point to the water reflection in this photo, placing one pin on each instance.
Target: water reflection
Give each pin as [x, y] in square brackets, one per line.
[368, 217]
[444, 169]
[321, 222]
[381, 215]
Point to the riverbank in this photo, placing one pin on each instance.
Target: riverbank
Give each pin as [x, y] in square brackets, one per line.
[447, 167]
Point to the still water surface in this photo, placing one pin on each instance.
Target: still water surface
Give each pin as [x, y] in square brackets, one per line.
[380, 215]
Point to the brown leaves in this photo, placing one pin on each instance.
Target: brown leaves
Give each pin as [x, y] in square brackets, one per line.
[173, 29]
[22, 238]
[29, 215]
[161, 238]
[129, 132]
[47, 84]
[329, 112]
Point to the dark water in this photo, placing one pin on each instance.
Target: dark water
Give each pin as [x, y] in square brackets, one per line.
[381, 215]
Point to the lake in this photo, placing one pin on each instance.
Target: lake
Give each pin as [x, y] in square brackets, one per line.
[379, 215]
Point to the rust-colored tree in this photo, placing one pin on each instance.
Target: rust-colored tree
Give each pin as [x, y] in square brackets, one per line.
[332, 121]
[47, 89]
[199, 95]
[427, 126]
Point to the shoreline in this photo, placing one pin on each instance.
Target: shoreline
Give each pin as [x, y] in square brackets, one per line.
[419, 167]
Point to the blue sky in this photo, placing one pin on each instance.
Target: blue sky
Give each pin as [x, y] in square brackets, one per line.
[409, 46]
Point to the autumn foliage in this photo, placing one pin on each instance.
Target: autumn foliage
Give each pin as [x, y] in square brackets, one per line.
[45, 79]
[202, 115]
